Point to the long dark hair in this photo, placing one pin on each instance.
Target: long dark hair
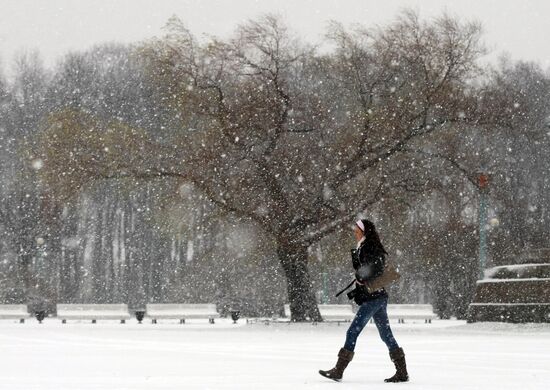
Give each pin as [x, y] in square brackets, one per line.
[371, 237]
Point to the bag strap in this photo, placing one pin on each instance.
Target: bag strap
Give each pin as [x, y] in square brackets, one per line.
[347, 287]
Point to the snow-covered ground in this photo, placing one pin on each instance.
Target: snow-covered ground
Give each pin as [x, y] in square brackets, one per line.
[441, 355]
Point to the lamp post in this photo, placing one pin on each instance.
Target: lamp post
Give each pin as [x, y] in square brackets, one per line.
[324, 298]
[324, 275]
[483, 189]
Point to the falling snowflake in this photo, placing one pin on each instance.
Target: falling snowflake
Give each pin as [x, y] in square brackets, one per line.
[37, 164]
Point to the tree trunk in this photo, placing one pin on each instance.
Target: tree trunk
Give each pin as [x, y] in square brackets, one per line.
[293, 259]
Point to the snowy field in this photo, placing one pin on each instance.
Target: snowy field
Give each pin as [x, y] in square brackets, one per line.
[441, 355]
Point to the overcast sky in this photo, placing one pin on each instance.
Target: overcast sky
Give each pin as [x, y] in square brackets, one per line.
[519, 27]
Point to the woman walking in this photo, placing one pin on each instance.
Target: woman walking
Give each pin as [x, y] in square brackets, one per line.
[368, 259]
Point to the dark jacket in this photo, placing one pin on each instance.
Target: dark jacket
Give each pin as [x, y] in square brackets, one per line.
[370, 264]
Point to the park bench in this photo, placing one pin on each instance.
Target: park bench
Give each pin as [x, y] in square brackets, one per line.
[93, 312]
[17, 312]
[331, 313]
[401, 312]
[181, 311]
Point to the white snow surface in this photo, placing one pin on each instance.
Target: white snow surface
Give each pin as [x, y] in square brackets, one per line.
[442, 355]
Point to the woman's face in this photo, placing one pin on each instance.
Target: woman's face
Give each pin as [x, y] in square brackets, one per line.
[358, 233]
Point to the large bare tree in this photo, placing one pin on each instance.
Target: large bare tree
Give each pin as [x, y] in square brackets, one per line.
[275, 132]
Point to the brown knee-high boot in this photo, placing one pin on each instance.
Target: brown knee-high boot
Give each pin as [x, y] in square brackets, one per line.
[398, 358]
[344, 357]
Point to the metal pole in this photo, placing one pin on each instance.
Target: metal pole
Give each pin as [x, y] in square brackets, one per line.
[324, 298]
[324, 275]
[483, 181]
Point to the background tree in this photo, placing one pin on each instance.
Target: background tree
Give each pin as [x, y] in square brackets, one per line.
[26, 214]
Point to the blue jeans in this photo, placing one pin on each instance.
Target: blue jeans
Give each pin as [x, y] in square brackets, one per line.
[376, 309]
